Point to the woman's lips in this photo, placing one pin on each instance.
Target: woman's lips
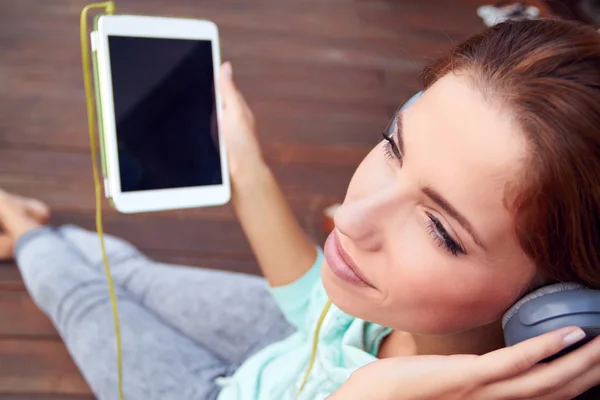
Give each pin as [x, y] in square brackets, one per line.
[341, 263]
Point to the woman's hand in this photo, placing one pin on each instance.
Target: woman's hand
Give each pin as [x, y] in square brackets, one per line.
[508, 373]
[238, 128]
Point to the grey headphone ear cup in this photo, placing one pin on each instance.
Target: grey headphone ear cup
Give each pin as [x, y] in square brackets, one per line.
[557, 287]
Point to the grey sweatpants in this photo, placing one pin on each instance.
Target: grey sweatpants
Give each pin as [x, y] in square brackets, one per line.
[181, 327]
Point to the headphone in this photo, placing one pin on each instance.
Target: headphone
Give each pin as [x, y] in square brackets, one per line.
[553, 307]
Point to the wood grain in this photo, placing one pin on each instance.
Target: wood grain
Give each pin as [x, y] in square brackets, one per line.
[20, 317]
[31, 366]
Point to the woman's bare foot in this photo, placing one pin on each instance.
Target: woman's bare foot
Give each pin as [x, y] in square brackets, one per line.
[18, 215]
[6, 247]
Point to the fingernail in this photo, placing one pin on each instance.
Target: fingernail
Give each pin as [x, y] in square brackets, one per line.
[573, 337]
[227, 69]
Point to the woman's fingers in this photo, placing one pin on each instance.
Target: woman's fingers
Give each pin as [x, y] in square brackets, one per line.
[568, 376]
[37, 209]
[232, 97]
[234, 103]
[574, 388]
[510, 361]
[238, 127]
[556, 378]
[226, 84]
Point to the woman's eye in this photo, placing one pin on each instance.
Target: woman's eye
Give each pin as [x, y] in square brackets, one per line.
[390, 148]
[442, 237]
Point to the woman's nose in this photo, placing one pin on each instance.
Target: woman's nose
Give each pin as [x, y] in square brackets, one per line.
[364, 220]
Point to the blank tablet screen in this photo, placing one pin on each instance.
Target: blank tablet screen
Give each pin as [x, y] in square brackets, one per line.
[165, 113]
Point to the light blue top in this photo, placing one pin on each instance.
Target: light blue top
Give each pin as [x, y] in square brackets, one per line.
[276, 372]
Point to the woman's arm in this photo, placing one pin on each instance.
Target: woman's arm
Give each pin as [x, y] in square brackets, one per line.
[283, 250]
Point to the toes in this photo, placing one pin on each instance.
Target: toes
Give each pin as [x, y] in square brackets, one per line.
[33, 208]
[8, 205]
[6, 247]
[37, 209]
[16, 218]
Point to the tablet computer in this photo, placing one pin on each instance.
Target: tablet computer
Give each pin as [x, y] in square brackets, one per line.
[158, 112]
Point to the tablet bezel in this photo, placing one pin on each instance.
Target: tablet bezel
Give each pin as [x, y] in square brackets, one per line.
[153, 27]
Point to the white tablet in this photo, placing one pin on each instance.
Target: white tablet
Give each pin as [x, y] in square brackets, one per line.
[158, 112]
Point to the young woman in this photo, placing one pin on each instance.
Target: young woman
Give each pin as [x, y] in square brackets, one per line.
[484, 188]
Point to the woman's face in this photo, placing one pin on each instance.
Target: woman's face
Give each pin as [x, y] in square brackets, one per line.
[430, 232]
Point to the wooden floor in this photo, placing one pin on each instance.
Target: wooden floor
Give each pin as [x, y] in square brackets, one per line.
[323, 77]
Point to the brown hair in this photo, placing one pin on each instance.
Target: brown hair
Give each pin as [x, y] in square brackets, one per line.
[548, 73]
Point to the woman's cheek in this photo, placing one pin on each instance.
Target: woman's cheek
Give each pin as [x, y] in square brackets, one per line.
[414, 274]
[435, 293]
[421, 277]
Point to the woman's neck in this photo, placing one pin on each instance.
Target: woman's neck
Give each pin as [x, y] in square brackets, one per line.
[477, 341]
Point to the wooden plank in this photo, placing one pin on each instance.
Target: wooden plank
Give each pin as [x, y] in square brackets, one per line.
[281, 79]
[62, 165]
[158, 7]
[76, 165]
[331, 19]
[434, 20]
[19, 317]
[10, 278]
[39, 366]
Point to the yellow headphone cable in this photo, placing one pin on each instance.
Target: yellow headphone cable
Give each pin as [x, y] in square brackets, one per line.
[109, 8]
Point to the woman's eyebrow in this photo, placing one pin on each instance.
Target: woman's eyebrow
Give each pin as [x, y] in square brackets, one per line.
[437, 198]
[397, 127]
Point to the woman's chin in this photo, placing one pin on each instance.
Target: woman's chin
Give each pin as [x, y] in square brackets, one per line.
[344, 296]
